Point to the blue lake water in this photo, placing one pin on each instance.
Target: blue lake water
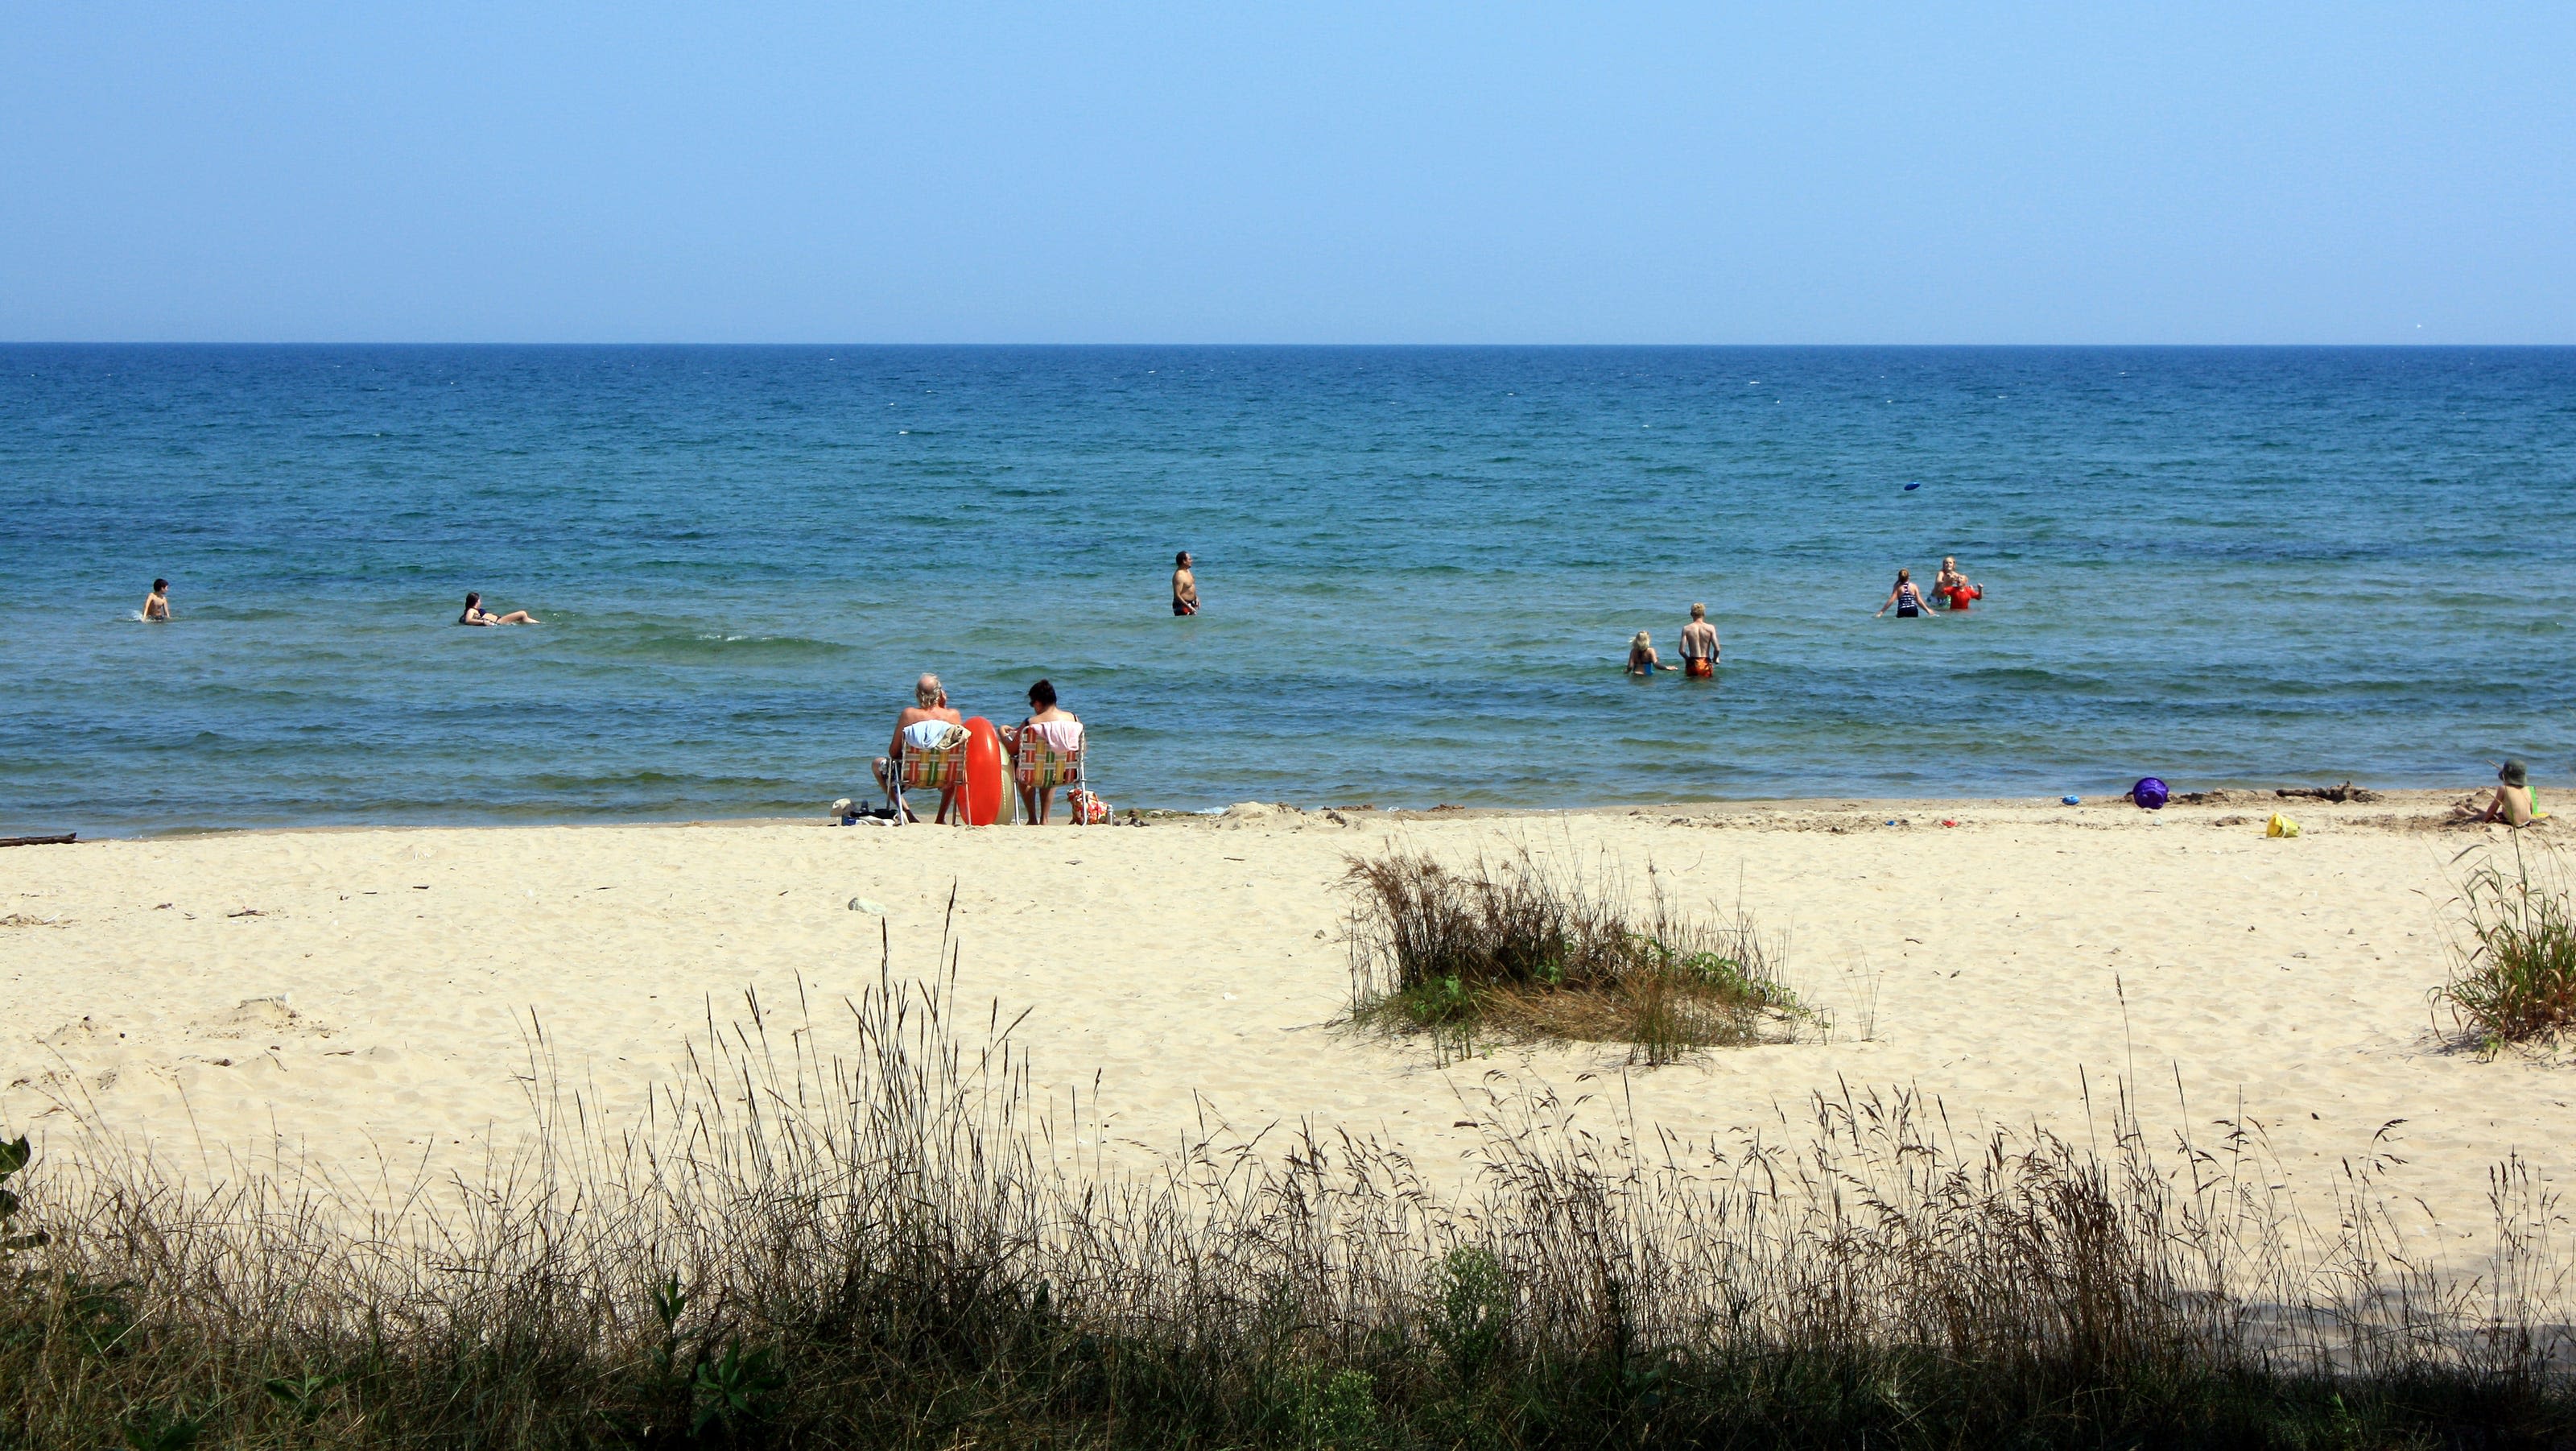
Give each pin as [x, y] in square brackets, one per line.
[1420, 569]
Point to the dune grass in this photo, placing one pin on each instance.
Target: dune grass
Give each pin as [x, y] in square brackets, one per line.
[1526, 948]
[2515, 978]
[857, 1228]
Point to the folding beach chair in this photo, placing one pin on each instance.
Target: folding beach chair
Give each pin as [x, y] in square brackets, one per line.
[1044, 765]
[940, 767]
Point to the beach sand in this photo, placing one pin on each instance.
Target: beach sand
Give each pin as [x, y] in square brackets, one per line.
[356, 996]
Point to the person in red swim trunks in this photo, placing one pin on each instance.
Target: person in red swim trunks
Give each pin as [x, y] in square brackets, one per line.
[1951, 587]
[1699, 646]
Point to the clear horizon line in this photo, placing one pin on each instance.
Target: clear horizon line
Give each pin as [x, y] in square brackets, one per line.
[1457, 346]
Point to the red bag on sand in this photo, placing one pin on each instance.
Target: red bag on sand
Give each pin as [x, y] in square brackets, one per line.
[1088, 808]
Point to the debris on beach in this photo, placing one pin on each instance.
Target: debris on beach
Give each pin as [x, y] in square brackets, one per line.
[2345, 792]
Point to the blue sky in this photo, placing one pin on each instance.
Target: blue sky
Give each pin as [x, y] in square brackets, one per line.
[1215, 172]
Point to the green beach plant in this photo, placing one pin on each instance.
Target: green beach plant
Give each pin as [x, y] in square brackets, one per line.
[1524, 947]
[2514, 976]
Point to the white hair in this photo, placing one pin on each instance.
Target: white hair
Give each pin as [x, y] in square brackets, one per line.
[927, 690]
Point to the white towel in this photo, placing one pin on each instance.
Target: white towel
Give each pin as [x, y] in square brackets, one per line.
[932, 735]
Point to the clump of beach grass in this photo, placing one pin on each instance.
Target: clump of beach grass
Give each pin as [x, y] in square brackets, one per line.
[858, 1227]
[2514, 980]
[1528, 948]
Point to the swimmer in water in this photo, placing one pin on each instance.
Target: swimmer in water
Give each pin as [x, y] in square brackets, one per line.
[1699, 646]
[1907, 600]
[156, 606]
[1185, 586]
[475, 614]
[1642, 659]
[1953, 588]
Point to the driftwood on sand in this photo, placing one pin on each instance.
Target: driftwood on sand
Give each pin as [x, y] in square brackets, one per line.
[2345, 792]
[65, 839]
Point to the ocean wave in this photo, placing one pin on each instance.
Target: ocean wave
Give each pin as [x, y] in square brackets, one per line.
[710, 647]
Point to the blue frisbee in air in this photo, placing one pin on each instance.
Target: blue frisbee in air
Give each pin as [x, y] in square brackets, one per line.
[1910, 488]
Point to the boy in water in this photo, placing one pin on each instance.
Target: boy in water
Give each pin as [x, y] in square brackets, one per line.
[1699, 646]
[1185, 586]
[156, 606]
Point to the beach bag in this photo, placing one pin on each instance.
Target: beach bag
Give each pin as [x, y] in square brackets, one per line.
[1088, 808]
[2280, 825]
[2150, 793]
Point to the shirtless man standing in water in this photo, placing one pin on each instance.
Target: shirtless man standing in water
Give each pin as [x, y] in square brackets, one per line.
[156, 606]
[1699, 646]
[1185, 586]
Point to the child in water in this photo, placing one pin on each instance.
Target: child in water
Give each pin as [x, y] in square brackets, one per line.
[1953, 588]
[1642, 659]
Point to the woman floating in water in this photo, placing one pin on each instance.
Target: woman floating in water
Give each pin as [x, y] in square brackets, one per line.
[1642, 659]
[475, 614]
[1907, 600]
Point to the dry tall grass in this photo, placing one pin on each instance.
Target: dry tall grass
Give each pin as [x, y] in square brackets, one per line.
[1526, 947]
[887, 1245]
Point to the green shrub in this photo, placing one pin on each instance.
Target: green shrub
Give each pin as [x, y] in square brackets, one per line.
[2515, 978]
[1530, 949]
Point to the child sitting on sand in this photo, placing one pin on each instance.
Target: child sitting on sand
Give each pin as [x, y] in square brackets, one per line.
[2514, 802]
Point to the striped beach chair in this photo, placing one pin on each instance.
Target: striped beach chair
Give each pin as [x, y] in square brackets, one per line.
[1048, 759]
[940, 766]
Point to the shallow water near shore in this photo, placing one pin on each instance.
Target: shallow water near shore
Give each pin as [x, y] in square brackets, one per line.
[1420, 569]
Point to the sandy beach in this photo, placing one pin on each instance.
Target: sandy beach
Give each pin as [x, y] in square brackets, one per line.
[363, 995]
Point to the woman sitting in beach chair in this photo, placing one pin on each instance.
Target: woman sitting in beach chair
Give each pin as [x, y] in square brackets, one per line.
[928, 753]
[1046, 752]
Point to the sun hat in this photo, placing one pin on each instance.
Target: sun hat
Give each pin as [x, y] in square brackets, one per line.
[2514, 773]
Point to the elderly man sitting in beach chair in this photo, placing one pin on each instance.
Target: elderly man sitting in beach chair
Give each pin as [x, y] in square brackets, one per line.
[928, 753]
[1046, 752]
